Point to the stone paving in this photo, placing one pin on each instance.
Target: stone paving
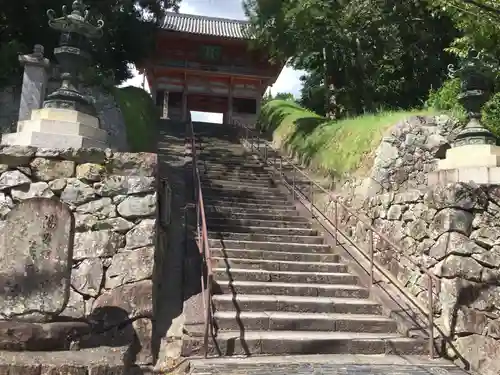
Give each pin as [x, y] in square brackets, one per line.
[326, 365]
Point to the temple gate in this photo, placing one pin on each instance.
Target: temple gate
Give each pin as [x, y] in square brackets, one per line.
[206, 64]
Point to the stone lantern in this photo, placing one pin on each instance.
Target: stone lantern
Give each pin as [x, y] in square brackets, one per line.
[475, 156]
[67, 118]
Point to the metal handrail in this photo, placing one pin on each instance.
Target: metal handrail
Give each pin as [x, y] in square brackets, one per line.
[251, 136]
[202, 241]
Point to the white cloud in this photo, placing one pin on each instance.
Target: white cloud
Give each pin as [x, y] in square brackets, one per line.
[288, 80]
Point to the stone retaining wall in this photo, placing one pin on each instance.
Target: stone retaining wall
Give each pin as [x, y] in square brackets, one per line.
[452, 231]
[114, 201]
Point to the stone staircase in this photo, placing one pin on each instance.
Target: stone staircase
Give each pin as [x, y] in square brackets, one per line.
[279, 288]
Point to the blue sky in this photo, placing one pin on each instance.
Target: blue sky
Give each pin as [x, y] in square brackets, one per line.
[288, 81]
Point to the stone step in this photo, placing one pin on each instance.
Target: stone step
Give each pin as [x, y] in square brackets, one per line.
[221, 212]
[293, 321]
[255, 213]
[246, 167]
[274, 255]
[273, 246]
[261, 190]
[246, 163]
[330, 364]
[246, 202]
[224, 228]
[244, 173]
[277, 265]
[254, 302]
[307, 342]
[237, 180]
[257, 237]
[236, 183]
[292, 289]
[236, 176]
[245, 192]
[257, 223]
[246, 274]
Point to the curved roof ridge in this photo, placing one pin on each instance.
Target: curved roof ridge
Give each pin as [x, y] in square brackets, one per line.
[204, 25]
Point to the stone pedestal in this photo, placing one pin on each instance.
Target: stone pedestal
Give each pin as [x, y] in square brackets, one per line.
[469, 163]
[58, 128]
[35, 80]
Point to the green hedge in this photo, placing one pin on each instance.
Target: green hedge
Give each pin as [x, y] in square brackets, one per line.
[330, 147]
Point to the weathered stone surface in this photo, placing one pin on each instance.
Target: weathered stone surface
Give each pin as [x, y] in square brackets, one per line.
[125, 185]
[47, 169]
[141, 235]
[16, 155]
[417, 229]
[136, 164]
[85, 222]
[487, 236]
[104, 243]
[76, 306]
[86, 278]
[489, 258]
[130, 266]
[77, 192]
[482, 352]
[451, 220]
[408, 196]
[470, 321]
[34, 190]
[35, 251]
[454, 243]
[458, 266]
[135, 299]
[395, 212]
[12, 179]
[6, 205]
[85, 155]
[57, 186]
[101, 208]
[17, 336]
[459, 195]
[90, 172]
[116, 224]
[134, 207]
[144, 330]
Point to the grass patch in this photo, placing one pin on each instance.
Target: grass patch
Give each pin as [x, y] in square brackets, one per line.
[332, 148]
[141, 118]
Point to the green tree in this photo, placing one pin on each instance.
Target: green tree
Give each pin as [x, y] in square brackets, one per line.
[367, 53]
[478, 21]
[130, 27]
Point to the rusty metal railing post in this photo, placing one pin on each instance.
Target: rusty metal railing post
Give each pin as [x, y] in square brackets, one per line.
[293, 184]
[311, 197]
[336, 213]
[431, 318]
[370, 244]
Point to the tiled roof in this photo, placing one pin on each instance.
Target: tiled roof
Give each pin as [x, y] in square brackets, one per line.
[202, 25]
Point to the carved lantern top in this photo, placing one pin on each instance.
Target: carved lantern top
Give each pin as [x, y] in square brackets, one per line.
[75, 22]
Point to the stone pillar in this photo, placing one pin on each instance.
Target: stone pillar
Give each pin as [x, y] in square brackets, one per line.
[165, 105]
[35, 78]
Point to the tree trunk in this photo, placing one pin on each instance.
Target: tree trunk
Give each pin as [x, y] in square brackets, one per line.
[331, 108]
